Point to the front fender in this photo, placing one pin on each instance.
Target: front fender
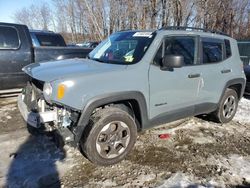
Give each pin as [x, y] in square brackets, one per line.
[102, 100]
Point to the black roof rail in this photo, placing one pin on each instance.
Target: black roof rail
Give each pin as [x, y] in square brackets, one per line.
[192, 29]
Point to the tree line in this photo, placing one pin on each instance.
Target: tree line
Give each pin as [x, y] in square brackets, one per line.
[80, 20]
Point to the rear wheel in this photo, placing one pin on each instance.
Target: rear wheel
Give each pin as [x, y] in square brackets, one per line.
[227, 107]
[111, 136]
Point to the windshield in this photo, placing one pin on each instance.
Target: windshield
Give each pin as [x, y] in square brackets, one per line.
[123, 47]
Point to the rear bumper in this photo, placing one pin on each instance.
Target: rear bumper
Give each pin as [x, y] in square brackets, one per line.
[35, 119]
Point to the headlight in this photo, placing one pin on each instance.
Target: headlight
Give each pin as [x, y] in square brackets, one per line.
[47, 90]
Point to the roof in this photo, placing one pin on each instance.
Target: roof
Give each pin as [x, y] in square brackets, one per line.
[186, 30]
[40, 31]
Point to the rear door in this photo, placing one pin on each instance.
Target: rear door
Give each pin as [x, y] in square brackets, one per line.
[15, 53]
[214, 73]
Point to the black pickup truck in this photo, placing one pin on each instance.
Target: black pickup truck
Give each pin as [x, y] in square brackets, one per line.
[17, 51]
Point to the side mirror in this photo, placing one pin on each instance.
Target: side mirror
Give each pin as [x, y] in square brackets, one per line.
[172, 61]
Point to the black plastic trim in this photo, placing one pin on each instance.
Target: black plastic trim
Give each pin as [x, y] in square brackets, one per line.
[169, 117]
[232, 82]
[107, 99]
[204, 108]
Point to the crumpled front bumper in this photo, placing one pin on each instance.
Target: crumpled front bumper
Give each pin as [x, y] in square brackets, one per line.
[35, 119]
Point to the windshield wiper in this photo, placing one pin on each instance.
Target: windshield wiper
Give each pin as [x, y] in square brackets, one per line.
[99, 60]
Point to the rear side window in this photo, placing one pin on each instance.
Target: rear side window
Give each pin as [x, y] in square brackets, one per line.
[228, 48]
[50, 40]
[212, 51]
[8, 38]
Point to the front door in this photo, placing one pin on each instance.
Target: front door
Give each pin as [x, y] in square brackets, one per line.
[173, 93]
[15, 53]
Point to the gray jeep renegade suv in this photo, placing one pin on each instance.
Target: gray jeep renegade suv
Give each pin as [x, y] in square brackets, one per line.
[133, 80]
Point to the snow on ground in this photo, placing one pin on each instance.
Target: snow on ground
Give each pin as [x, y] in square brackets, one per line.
[28, 161]
[5, 114]
[236, 168]
[197, 153]
[243, 112]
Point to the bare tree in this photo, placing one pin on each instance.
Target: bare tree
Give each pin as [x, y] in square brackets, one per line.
[35, 16]
[81, 20]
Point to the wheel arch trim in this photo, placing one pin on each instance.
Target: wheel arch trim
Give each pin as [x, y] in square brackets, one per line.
[105, 99]
[233, 82]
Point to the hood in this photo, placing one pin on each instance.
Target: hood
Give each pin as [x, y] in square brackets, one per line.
[54, 70]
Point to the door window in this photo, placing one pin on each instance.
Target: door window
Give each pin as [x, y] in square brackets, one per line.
[177, 45]
[181, 45]
[212, 51]
[8, 38]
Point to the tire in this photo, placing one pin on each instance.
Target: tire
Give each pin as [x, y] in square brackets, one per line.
[227, 107]
[111, 136]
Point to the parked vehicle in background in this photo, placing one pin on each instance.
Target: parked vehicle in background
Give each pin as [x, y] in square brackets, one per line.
[88, 44]
[17, 51]
[46, 38]
[71, 45]
[247, 72]
[134, 80]
[244, 50]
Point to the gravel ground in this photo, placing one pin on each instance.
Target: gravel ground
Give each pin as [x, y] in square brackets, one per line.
[193, 153]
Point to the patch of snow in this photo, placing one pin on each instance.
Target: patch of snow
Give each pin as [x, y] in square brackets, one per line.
[141, 179]
[180, 180]
[237, 168]
[243, 112]
[5, 110]
[37, 161]
[203, 140]
[104, 183]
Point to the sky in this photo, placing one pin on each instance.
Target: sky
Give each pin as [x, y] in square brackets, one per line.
[9, 7]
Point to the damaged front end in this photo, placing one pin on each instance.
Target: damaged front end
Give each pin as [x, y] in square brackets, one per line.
[44, 115]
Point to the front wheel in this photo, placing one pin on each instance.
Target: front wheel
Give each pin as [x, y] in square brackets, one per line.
[111, 137]
[227, 107]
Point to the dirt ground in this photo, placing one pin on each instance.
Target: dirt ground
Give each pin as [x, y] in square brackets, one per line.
[193, 153]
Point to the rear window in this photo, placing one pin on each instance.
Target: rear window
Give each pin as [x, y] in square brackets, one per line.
[50, 40]
[212, 51]
[8, 38]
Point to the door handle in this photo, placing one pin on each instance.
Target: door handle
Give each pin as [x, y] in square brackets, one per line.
[194, 75]
[226, 71]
